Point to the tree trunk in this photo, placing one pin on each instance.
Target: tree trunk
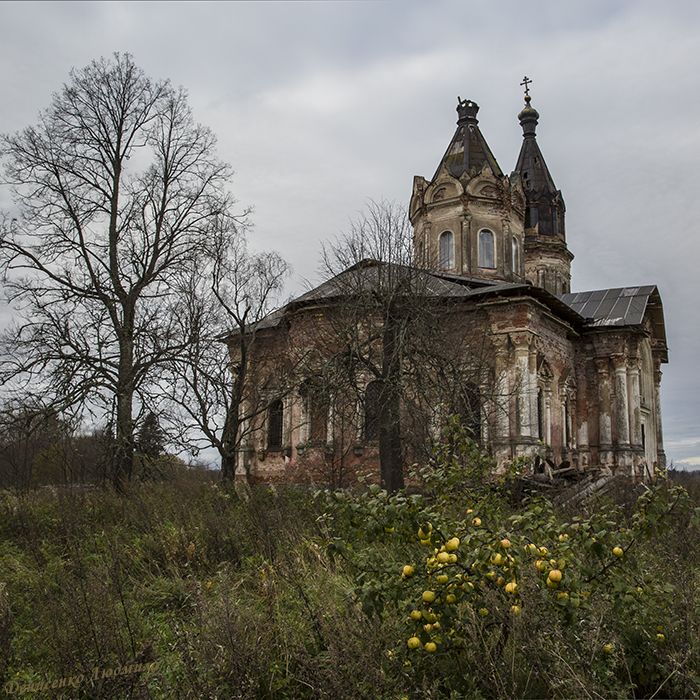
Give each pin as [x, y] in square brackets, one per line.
[123, 459]
[390, 447]
[123, 465]
[228, 467]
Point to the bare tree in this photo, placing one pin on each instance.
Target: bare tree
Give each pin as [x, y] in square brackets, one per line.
[116, 188]
[401, 339]
[215, 384]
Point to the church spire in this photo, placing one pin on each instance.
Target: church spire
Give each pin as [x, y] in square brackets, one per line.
[468, 151]
[545, 205]
[547, 258]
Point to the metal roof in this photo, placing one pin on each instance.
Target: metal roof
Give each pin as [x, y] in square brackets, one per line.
[623, 306]
[602, 308]
[371, 275]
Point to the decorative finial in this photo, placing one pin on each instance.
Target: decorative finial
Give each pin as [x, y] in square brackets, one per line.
[467, 110]
[529, 115]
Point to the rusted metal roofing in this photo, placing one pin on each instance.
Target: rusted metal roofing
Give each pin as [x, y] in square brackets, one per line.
[602, 308]
[623, 306]
[372, 275]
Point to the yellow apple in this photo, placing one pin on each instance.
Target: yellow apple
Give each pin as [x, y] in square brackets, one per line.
[554, 575]
[452, 544]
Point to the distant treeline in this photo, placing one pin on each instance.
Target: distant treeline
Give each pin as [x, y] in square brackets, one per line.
[38, 448]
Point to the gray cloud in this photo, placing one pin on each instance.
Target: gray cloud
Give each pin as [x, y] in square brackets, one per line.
[319, 106]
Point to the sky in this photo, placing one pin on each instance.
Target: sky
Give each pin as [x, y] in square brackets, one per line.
[320, 106]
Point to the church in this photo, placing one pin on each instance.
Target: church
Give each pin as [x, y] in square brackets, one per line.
[571, 376]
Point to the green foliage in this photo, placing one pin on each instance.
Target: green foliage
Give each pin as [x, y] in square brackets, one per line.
[294, 595]
[527, 601]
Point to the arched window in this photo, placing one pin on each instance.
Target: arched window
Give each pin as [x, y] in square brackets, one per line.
[447, 250]
[515, 261]
[275, 414]
[487, 256]
[372, 410]
[540, 413]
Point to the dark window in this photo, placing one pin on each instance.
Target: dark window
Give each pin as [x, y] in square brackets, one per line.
[540, 413]
[275, 414]
[372, 397]
[470, 410]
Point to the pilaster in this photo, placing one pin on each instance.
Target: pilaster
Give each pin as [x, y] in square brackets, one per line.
[661, 455]
[605, 456]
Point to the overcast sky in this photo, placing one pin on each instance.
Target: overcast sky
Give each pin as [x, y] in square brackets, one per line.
[320, 106]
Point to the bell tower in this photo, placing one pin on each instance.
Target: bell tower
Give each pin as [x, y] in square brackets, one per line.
[547, 257]
[468, 219]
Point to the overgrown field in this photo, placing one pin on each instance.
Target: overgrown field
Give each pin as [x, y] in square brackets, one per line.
[184, 590]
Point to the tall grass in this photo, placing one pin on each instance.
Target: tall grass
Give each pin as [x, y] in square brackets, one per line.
[204, 595]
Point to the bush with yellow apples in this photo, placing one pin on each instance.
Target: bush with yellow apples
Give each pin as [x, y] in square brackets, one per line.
[490, 580]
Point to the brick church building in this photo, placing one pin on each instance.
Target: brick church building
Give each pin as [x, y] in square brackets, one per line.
[569, 375]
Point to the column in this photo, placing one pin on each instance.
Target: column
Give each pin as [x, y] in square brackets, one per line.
[581, 426]
[532, 391]
[635, 401]
[522, 364]
[466, 254]
[547, 438]
[622, 418]
[501, 404]
[657, 406]
[604, 411]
